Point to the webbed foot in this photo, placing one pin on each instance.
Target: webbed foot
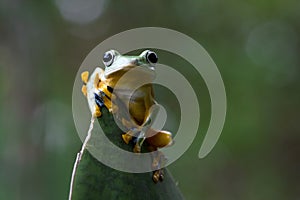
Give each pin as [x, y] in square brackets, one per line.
[158, 175]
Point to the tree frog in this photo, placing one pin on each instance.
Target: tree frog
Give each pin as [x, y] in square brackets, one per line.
[138, 114]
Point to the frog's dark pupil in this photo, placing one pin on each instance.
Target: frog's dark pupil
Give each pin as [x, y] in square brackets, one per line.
[107, 57]
[152, 57]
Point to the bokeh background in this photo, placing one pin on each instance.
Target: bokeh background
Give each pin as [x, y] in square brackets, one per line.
[255, 44]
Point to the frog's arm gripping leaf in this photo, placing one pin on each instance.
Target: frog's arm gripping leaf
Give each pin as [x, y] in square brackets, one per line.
[91, 91]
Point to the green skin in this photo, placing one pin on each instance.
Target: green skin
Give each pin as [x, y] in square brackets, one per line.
[121, 62]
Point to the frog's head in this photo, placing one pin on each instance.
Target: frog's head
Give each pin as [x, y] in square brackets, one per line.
[115, 63]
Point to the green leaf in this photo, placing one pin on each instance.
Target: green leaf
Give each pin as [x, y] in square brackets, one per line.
[95, 180]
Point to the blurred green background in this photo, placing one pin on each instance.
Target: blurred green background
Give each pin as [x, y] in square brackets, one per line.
[255, 44]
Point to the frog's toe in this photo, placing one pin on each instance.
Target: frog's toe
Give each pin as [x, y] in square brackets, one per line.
[97, 112]
[155, 177]
[158, 175]
[85, 76]
[126, 137]
[84, 90]
[161, 175]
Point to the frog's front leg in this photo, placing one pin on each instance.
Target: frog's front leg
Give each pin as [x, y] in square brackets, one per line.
[90, 90]
[145, 128]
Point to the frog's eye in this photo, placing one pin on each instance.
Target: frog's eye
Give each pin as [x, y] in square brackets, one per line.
[108, 58]
[151, 57]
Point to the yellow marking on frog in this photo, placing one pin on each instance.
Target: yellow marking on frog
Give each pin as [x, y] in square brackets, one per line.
[84, 90]
[85, 76]
[127, 137]
[97, 111]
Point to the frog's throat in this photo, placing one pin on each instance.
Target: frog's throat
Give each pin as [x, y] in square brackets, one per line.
[122, 70]
[119, 70]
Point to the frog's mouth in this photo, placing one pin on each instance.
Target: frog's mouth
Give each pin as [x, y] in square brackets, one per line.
[143, 70]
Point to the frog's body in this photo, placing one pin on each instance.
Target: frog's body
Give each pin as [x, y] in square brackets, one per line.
[133, 107]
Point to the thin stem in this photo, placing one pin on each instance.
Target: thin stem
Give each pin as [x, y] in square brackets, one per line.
[79, 155]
